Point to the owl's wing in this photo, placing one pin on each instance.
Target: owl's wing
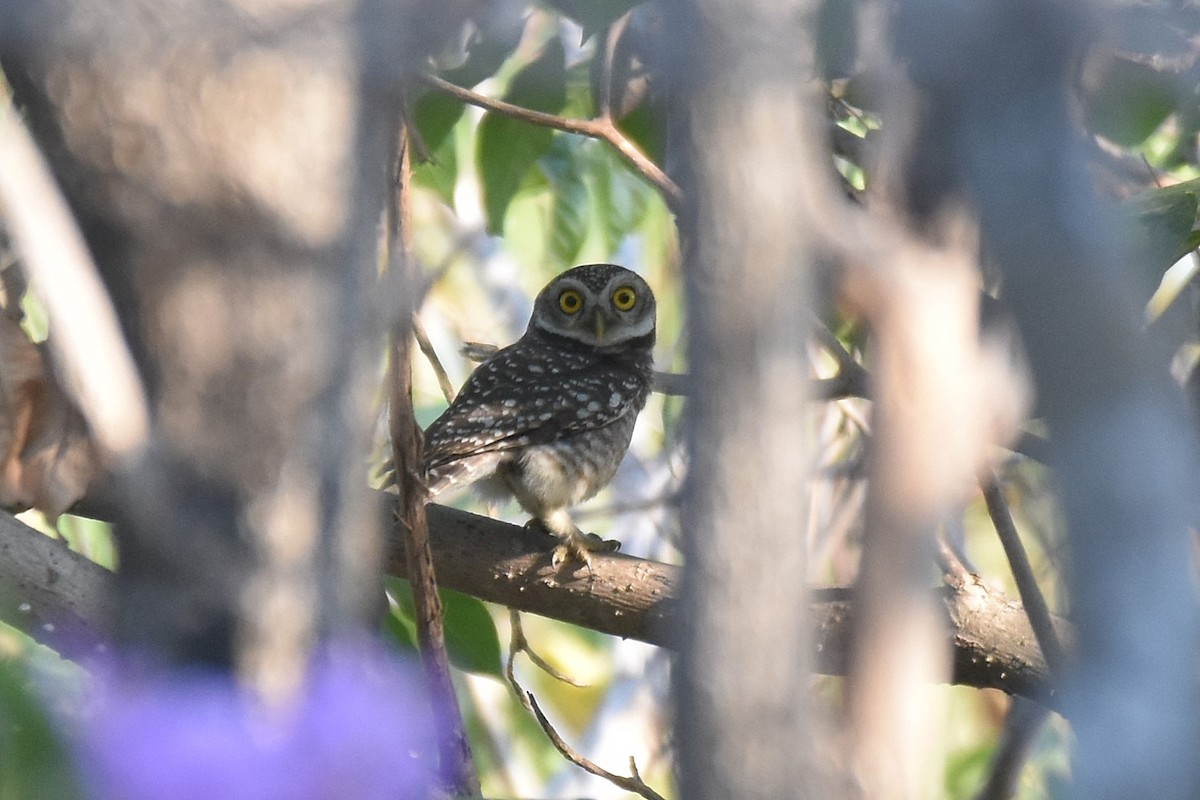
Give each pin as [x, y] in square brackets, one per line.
[513, 401]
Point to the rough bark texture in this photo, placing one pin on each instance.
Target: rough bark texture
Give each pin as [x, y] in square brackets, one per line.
[633, 598]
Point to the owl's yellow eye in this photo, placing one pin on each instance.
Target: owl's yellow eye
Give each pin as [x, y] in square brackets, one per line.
[624, 298]
[570, 301]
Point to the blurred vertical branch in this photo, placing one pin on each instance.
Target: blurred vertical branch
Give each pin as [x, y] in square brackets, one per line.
[997, 128]
[941, 396]
[743, 725]
[455, 765]
[924, 446]
[87, 338]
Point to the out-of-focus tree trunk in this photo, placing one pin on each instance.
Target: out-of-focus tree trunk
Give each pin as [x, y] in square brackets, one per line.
[997, 130]
[743, 724]
[227, 161]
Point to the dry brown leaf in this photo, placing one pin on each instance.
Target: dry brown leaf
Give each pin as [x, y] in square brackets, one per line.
[47, 459]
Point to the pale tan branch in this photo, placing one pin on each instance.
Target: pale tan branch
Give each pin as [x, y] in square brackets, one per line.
[86, 337]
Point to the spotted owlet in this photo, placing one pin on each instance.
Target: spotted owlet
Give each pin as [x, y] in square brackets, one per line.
[547, 419]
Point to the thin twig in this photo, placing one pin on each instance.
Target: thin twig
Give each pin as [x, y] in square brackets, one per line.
[852, 383]
[520, 643]
[630, 784]
[517, 644]
[665, 499]
[601, 128]
[1036, 608]
[478, 351]
[432, 357]
[456, 767]
[1021, 728]
[950, 563]
[852, 379]
[671, 383]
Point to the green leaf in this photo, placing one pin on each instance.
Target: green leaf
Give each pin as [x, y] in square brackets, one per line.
[398, 633]
[434, 116]
[440, 171]
[621, 197]
[967, 769]
[570, 216]
[1163, 230]
[1130, 101]
[646, 126]
[399, 624]
[581, 95]
[471, 638]
[34, 760]
[1164, 219]
[508, 148]
[435, 113]
[1190, 243]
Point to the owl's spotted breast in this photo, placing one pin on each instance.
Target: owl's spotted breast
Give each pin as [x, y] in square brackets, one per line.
[531, 394]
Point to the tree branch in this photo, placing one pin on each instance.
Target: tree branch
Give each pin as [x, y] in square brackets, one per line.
[52, 593]
[1027, 587]
[456, 767]
[87, 338]
[602, 128]
[519, 644]
[633, 598]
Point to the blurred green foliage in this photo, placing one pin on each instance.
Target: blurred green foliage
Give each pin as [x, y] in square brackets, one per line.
[471, 638]
[34, 762]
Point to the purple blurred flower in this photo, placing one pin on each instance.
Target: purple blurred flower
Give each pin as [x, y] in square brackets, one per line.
[354, 732]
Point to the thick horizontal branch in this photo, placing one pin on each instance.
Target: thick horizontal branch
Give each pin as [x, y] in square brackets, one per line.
[634, 598]
[50, 592]
[60, 598]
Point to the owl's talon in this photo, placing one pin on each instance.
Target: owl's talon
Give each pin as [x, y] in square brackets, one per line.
[578, 547]
[565, 554]
[597, 544]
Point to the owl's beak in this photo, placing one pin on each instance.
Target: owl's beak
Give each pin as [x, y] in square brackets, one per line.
[601, 327]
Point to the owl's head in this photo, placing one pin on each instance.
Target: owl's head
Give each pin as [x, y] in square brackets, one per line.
[599, 305]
